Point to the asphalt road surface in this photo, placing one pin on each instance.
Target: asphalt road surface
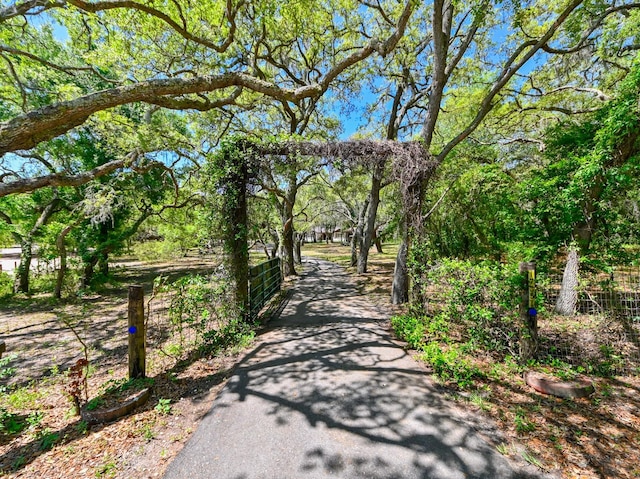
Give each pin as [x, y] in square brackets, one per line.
[327, 392]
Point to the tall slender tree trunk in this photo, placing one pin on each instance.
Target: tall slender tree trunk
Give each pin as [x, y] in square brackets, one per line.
[400, 285]
[354, 247]
[358, 232]
[62, 252]
[21, 284]
[297, 248]
[415, 181]
[287, 243]
[372, 213]
[413, 196]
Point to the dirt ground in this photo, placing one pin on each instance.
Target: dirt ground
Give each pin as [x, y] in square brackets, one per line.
[596, 437]
[44, 337]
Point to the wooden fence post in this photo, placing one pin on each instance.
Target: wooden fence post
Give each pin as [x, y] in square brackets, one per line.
[137, 351]
[528, 313]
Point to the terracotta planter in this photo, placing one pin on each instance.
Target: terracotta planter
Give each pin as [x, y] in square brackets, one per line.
[565, 389]
[107, 415]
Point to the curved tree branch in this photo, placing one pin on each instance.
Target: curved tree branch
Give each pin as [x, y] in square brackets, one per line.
[30, 7]
[24, 185]
[94, 7]
[26, 131]
[583, 41]
[193, 104]
[521, 56]
[69, 70]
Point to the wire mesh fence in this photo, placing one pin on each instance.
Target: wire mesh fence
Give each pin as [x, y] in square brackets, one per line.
[603, 336]
[197, 314]
[188, 316]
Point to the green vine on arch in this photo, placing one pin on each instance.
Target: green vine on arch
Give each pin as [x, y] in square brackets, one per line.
[230, 168]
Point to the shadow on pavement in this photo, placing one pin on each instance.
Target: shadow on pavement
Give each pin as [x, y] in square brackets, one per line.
[328, 393]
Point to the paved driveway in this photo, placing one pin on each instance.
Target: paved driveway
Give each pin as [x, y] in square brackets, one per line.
[328, 393]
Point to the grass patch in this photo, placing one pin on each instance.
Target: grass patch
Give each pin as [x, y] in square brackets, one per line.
[341, 254]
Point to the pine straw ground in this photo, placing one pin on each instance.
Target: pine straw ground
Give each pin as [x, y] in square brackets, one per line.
[55, 443]
[597, 437]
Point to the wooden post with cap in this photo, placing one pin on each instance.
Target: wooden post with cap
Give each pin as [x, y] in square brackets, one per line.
[136, 330]
[528, 313]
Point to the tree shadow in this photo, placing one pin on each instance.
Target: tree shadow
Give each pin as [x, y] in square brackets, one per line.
[191, 389]
[329, 385]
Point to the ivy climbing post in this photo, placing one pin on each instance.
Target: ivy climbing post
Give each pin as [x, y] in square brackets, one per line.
[233, 163]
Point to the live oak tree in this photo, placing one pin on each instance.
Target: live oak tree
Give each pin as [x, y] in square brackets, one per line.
[171, 56]
[470, 41]
[282, 178]
[174, 56]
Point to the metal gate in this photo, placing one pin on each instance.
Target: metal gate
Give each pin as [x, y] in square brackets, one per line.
[264, 282]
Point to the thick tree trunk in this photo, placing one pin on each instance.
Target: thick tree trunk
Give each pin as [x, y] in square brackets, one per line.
[413, 196]
[372, 213]
[568, 296]
[400, 285]
[21, 284]
[235, 240]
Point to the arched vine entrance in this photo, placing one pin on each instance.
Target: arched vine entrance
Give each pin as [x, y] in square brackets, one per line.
[238, 162]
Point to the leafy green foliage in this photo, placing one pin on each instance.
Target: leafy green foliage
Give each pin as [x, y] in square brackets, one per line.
[163, 407]
[6, 284]
[235, 334]
[471, 312]
[7, 371]
[450, 364]
[410, 329]
[11, 423]
[585, 188]
[113, 386]
[203, 305]
[479, 302]
[47, 439]
[522, 423]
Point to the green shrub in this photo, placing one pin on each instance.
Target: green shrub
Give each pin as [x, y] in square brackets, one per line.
[476, 301]
[450, 364]
[11, 423]
[198, 304]
[234, 334]
[410, 329]
[6, 284]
